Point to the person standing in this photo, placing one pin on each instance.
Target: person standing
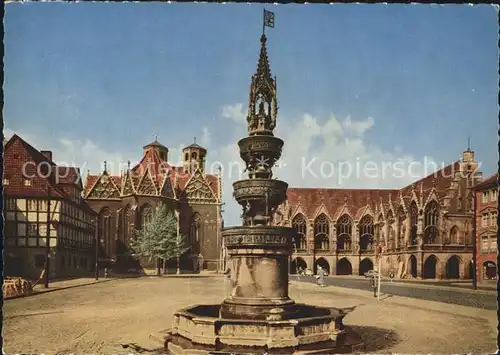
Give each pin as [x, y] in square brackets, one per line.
[321, 277]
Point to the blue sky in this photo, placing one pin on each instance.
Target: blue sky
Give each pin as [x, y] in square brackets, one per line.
[97, 81]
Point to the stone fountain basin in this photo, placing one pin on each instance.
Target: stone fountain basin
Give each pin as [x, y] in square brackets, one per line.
[200, 329]
[260, 147]
[258, 189]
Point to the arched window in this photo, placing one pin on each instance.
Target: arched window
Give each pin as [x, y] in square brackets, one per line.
[300, 226]
[186, 156]
[430, 223]
[104, 228]
[454, 235]
[146, 214]
[413, 223]
[194, 156]
[344, 232]
[378, 228]
[391, 235]
[321, 233]
[194, 237]
[127, 224]
[401, 228]
[366, 233]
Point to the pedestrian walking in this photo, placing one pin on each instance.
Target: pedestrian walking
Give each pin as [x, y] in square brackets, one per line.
[320, 277]
[105, 272]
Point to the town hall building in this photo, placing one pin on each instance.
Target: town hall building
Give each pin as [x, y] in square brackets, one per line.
[425, 229]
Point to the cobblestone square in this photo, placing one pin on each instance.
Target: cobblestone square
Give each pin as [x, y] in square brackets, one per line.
[119, 316]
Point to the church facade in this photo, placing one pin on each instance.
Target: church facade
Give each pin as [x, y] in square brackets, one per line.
[127, 202]
[425, 229]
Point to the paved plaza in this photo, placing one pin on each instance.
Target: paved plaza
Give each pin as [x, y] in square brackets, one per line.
[119, 316]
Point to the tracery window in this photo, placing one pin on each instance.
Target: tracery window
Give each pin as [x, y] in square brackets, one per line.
[146, 214]
[344, 232]
[194, 237]
[413, 223]
[321, 233]
[366, 233]
[104, 227]
[391, 234]
[401, 228]
[430, 223]
[127, 224]
[300, 226]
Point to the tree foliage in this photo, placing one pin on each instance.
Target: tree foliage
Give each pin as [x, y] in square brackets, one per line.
[159, 239]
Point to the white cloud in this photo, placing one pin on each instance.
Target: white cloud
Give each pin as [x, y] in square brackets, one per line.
[343, 150]
[235, 113]
[84, 154]
[305, 163]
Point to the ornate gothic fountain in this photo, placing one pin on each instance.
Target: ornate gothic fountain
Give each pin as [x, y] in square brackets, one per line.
[258, 316]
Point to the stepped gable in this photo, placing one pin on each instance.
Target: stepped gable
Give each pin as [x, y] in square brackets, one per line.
[356, 200]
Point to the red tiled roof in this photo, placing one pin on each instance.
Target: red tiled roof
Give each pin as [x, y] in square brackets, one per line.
[488, 182]
[158, 168]
[356, 200]
[18, 152]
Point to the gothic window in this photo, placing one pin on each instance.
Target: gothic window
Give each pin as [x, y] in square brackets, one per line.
[378, 228]
[430, 223]
[321, 233]
[300, 226]
[127, 224]
[454, 235]
[391, 235]
[194, 237]
[366, 233]
[146, 214]
[104, 228]
[401, 228]
[344, 232]
[413, 223]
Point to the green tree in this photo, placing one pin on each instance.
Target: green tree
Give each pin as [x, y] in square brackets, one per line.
[159, 239]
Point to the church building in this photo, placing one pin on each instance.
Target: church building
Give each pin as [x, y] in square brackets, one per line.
[127, 202]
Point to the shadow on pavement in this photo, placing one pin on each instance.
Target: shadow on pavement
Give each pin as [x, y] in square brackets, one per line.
[31, 314]
[140, 350]
[376, 338]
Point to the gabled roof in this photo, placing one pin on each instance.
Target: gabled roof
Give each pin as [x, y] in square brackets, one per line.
[357, 200]
[487, 183]
[60, 175]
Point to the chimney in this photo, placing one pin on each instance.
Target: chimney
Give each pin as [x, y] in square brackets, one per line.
[47, 154]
